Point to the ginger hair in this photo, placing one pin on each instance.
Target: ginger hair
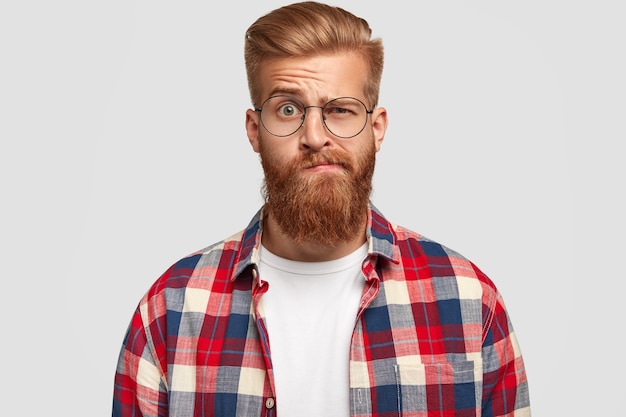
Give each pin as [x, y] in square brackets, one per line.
[307, 29]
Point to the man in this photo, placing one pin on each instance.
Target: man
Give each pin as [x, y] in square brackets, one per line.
[320, 307]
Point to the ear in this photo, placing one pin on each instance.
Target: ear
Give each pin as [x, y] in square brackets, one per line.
[252, 128]
[379, 126]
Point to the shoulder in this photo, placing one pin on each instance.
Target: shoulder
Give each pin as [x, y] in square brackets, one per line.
[199, 269]
[435, 260]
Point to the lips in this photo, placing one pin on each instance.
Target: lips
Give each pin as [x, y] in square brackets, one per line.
[319, 164]
[317, 161]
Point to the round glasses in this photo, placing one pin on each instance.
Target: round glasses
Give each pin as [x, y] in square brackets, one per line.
[344, 117]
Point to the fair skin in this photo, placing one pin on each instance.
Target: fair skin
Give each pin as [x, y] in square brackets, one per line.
[314, 80]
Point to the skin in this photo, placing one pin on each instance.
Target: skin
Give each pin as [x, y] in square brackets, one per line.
[314, 80]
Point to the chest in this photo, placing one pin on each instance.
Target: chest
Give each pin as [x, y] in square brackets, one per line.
[410, 351]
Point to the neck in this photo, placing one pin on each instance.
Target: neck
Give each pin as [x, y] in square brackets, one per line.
[281, 245]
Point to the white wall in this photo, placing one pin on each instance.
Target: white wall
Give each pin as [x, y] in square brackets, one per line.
[123, 149]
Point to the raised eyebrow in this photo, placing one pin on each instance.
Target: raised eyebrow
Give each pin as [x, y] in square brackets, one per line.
[286, 92]
[297, 94]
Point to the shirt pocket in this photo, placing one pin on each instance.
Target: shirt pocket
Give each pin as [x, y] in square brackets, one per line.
[452, 387]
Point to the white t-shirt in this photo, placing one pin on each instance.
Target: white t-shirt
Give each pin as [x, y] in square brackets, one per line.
[310, 310]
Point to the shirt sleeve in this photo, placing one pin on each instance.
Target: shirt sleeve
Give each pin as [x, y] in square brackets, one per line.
[140, 388]
[505, 387]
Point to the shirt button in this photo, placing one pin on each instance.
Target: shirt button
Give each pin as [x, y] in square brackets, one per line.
[269, 403]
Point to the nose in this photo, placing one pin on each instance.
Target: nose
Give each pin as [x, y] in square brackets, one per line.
[314, 135]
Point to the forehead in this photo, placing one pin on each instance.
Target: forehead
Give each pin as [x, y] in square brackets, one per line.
[315, 78]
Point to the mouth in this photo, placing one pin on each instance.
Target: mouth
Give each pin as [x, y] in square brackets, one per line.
[322, 163]
[324, 166]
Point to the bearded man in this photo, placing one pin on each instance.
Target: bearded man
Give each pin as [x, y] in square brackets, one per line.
[321, 306]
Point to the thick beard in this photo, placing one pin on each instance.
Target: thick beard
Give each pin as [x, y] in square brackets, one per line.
[325, 209]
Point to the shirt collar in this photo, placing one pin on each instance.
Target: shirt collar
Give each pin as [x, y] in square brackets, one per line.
[381, 240]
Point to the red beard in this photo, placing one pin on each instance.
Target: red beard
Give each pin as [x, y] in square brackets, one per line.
[324, 209]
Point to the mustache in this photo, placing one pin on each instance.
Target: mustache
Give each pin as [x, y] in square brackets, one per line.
[312, 159]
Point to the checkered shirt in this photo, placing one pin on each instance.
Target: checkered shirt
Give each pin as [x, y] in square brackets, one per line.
[432, 336]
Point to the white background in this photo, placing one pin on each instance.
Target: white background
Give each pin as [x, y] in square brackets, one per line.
[123, 149]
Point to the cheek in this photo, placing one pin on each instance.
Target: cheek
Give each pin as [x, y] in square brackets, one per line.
[362, 152]
[280, 151]
[271, 153]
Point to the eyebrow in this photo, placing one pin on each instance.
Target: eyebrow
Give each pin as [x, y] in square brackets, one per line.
[295, 92]
[286, 91]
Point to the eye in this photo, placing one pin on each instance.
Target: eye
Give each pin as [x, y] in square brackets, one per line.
[343, 108]
[338, 110]
[288, 110]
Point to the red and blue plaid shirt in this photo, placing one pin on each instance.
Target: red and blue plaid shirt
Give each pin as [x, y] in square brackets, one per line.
[432, 336]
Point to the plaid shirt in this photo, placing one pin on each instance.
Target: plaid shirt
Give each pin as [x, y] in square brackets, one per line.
[432, 336]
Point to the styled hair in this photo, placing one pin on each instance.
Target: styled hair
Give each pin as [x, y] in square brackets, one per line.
[311, 28]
